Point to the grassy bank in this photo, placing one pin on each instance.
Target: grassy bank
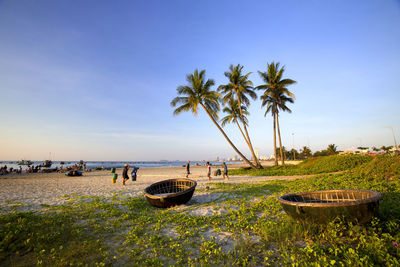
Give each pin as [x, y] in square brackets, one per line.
[315, 165]
[244, 225]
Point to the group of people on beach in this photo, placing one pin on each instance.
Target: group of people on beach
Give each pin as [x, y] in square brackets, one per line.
[75, 167]
[5, 170]
[125, 170]
[224, 173]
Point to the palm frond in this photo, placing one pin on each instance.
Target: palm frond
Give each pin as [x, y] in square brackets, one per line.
[184, 108]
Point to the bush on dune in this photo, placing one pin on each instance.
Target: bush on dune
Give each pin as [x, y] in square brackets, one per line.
[385, 168]
[333, 163]
[315, 165]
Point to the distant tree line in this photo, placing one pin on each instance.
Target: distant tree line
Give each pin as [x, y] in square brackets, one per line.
[306, 152]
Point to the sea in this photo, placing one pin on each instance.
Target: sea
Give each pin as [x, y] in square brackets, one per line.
[114, 164]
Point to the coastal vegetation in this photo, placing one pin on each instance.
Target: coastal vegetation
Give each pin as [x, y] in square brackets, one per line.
[314, 165]
[243, 225]
[235, 97]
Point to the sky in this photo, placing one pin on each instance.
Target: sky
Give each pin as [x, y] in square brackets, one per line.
[93, 80]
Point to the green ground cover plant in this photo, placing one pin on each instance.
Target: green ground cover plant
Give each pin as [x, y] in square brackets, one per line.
[314, 165]
[245, 226]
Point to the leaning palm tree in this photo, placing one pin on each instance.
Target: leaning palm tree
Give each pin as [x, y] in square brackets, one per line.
[277, 95]
[233, 115]
[240, 86]
[198, 93]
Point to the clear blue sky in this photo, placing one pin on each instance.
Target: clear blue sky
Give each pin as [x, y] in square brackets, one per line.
[93, 80]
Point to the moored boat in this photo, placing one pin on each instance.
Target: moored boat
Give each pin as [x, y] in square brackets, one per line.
[47, 163]
[25, 162]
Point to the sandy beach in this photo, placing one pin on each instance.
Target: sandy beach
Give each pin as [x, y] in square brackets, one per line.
[33, 190]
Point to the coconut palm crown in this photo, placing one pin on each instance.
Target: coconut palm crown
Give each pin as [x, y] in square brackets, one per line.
[238, 84]
[233, 113]
[332, 149]
[273, 81]
[275, 101]
[198, 92]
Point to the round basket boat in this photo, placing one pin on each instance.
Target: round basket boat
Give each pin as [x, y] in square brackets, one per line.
[170, 193]
[324, 206]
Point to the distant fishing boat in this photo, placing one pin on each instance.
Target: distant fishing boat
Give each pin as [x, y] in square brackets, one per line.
[47, 163]
[25, 162]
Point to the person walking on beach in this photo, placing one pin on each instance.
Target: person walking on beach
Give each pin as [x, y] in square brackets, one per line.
[188, 169]
[125, 174]
[225, 173]
[208, 170]
[133, 173]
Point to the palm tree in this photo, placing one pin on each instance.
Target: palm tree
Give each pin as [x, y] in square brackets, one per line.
[241, 86]
[233, 115]
[276, 95]
[305, 152]
[286, 153]
[332, 149]
[198, 93]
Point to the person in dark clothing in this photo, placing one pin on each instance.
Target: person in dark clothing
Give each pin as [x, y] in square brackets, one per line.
[133, 173]
[125, 176]
[225, 173]
[188, 169]
[209, 170]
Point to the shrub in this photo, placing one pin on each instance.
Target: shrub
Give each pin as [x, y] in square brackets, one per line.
[315, 165]
[382, 167]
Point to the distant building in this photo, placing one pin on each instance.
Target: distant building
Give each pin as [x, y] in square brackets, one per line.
[354, 151]
[395, 150]
[346, 152]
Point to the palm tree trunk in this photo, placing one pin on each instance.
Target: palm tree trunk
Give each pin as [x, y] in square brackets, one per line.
[276, 158]
[251, 147]
[280, 142]
[227, 139]
[247, 134]
[240, 129]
